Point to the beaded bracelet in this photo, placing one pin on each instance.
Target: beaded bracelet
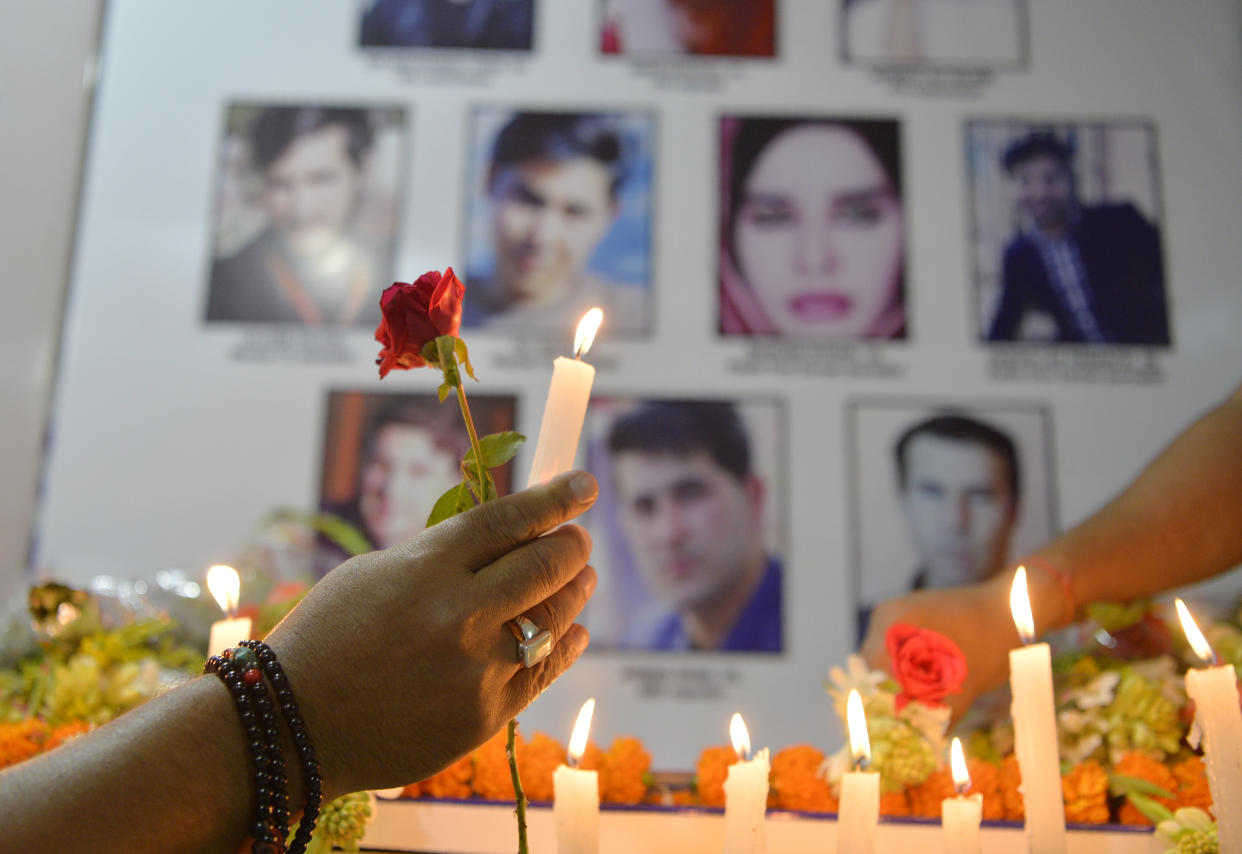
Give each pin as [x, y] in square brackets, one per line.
[236, 668]
[311, 781]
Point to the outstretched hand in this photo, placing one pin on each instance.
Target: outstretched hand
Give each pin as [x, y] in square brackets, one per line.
[401, 660]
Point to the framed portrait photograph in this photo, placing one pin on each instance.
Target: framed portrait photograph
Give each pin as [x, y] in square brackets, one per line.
[559, 220]
[720, 28]
[689, 543]
[935, 34]
[812, 229]
[307, 206]
[1066, 229]
[945, 493]
[489, 25]
[387, 457]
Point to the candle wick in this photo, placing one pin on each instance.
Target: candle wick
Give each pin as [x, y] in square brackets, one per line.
[572, 760]
[862, 763]
[962, 789]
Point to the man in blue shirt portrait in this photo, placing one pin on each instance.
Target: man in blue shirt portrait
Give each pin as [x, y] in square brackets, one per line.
[691, 509]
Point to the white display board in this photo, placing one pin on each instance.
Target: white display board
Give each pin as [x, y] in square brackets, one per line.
[174, 432]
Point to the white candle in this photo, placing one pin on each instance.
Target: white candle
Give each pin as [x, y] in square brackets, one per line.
[1035, 729]
[746, 794]
[1215, 692]
[225, 587]
[576, 793]
[565, 409]
[859, 810]
[960, 816]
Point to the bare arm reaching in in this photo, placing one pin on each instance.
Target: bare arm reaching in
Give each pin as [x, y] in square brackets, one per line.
[1178, 522]
[400, 661]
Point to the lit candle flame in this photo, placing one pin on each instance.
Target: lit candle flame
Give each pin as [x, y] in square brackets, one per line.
[1020, 606]
[740, 737]
[1197, 641]
[856, 722]
[225, 587]
[582, 727]
[961, 776]
[587, 327]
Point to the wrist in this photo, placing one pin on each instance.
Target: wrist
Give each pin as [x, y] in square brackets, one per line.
[1054, 598]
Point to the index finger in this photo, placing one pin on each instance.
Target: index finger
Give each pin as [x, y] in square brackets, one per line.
[485, 533]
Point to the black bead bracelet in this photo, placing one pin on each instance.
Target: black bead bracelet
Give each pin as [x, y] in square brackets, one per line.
[244, 680]
[311, 781]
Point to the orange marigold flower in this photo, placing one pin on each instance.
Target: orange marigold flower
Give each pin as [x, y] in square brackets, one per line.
[1009, 779]
[20, 741]
[1142, 766]
[413, 790]
[1192, 782]
[452, 782]
[538, 761]
[592, 755]
[985, 780]
[1086, 793]
[712, 768]
[926, 797]
[796, 783]
[622, 771]
[685, 798]
[492, 780]
[894, 803]
[59, 735]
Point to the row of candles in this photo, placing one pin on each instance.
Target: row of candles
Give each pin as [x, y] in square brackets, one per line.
[1213, 688]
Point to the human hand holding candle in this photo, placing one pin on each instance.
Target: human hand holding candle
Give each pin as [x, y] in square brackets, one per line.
[576, 793]
[960, 816]
[746, 794]
[1215, 692]
[1035, 729]
[225, 587]
[859, 812]
[565, 409]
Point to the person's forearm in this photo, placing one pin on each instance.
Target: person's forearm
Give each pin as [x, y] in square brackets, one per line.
[171, 775]
[1179, 522]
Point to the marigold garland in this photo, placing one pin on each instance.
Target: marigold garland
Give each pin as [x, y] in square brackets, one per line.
[712, 768]
[1085, 789]
[623, 772]
[796, 781]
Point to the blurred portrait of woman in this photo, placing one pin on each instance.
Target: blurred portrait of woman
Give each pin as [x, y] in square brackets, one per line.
[812, 230]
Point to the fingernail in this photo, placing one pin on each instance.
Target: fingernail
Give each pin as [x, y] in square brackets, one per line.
[582, 485]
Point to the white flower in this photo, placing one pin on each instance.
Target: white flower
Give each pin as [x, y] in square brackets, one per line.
[1097, 693]
[931, 721]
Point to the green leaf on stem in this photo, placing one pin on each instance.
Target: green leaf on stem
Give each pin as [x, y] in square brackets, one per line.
[1154, 810]
[463, 357]
[485, 491]
[445, 361]
[456, 500]
[498, 449]
[431, 353]
[443, 391]
[1122, 784]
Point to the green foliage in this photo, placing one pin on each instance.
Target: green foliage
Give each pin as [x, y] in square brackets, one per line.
[340, 533]
[498, 449]
[456, 500]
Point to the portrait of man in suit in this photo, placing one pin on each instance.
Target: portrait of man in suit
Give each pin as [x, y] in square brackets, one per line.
[1074, 272]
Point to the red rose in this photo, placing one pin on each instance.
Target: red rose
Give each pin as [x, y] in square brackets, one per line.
[415, 314]
[927, 665]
